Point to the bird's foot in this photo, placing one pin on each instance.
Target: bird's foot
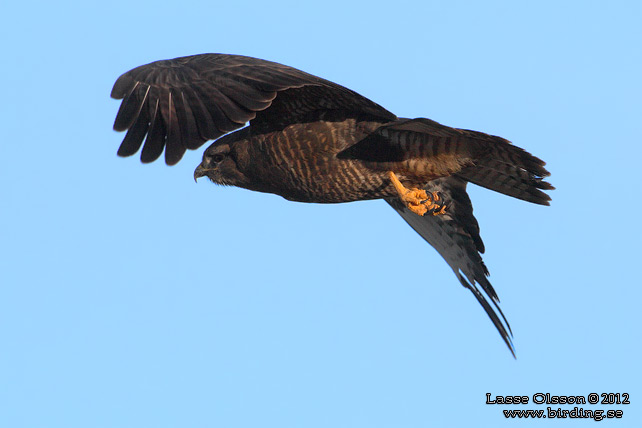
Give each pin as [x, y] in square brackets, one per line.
[418, 200]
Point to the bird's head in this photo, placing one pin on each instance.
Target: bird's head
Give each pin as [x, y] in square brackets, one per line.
[220, 165]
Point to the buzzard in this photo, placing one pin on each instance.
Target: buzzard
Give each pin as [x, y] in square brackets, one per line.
[312, 140]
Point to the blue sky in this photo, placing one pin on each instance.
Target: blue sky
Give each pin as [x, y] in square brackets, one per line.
[132, 297]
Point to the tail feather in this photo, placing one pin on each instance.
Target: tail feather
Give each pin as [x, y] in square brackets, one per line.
[424, 149]
[510, 170]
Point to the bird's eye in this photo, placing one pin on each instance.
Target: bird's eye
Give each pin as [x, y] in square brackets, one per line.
[218, 158]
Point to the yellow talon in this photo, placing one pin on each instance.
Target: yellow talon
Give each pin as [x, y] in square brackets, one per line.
[440, 211]
[417, 200]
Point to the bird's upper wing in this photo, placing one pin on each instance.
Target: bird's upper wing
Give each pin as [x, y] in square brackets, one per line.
[455, 235]
[179, 104]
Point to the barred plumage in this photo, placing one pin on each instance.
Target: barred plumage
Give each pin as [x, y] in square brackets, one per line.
[312, 140]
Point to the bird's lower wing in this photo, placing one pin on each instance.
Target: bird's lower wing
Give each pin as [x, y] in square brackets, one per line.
[455, 235]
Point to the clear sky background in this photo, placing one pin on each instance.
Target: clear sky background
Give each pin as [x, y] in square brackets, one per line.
[132, 297]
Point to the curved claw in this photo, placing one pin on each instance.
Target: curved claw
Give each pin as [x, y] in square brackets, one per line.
[436, 204]
[418, 200]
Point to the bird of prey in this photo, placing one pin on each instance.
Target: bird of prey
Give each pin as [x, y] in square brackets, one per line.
[312, 140]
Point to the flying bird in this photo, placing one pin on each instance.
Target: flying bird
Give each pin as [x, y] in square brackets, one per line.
[312, 140]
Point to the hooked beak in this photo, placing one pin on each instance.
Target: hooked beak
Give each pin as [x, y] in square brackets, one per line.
[199, 172]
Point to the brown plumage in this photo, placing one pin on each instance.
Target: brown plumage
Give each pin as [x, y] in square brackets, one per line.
[311, 140]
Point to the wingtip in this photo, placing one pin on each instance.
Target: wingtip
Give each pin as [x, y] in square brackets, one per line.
[494, 312]
[508, 338]
[122, 87]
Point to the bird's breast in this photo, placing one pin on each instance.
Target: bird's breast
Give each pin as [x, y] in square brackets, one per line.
[300, 163]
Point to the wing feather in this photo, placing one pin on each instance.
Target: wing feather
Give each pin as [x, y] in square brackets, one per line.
[174, 143]
[207, 129]
[455, 236]
[214, 102]
[130, 107]
[154, 142]
[134, 137]
[246, 96]
[202, 97]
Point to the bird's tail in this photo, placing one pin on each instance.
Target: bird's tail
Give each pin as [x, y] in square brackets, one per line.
[508, 169]
[486, 160]
[490, 161]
